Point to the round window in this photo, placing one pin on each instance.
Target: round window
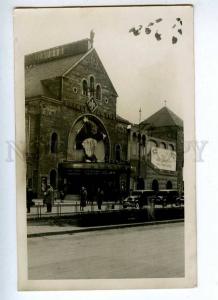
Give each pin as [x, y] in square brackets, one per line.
[106, 100]
[75, 90]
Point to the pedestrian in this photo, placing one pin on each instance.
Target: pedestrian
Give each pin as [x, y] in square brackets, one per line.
[49, 198]
[62, 195]
[151, 208]
[29, 198]
[100, 196]
[83, 198]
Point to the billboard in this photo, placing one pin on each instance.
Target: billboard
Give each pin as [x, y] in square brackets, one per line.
[163, 159]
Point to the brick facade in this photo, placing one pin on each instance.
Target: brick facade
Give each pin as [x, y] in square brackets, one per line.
[68, 92]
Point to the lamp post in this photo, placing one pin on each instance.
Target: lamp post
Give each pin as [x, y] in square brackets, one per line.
[141, 127]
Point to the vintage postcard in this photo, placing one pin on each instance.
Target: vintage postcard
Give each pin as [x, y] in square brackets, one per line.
[105, 160]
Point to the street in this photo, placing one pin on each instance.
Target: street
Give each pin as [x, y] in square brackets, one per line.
[139, 252]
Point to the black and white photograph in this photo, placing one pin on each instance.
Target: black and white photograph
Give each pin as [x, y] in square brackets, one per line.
[105, 167]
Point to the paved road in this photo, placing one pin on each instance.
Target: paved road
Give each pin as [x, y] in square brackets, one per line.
[140, 252]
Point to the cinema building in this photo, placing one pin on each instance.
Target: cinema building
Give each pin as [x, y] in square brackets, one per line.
[74, 136]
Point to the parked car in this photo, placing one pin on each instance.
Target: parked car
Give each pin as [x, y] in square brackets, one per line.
[180, 200]
[143, 196]
[165, 197]
[131, 201]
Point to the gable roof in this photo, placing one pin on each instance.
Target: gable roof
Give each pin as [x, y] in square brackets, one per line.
[55, 62]
[163, 117]
[49, 69]
[122, 120]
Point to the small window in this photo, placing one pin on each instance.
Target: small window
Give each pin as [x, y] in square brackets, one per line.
[162, 145]
[85, 88]
[54, 142]
[75, 90]
[171, 147]
[98, 92]
[92, 86]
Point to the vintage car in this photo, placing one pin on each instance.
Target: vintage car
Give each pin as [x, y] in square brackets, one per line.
[131, 201]
[166, 197]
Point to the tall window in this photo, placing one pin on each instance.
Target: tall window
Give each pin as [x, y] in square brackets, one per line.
[155, 185]
[92, 86]
[169, 185]
[134, 144]
[118, 152]
[54, 142]
[85, 88]
[98, 92]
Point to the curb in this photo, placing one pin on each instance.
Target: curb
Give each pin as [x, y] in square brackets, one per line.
[106, 227]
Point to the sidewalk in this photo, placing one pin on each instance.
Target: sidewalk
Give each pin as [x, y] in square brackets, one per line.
[48, 230]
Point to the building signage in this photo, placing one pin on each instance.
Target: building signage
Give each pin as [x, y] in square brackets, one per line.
[163, 159]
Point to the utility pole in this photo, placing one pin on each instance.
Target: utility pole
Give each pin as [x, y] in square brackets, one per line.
[139, 147]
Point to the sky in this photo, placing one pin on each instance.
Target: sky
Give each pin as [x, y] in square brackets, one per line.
[145, 72]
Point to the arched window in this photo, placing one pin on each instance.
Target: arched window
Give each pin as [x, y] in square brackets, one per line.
[98, 92]
[54, 142]
[169, 185]
[53, 176]
[118, 153]
[171, 147]
[151, 144]
[85, 88]
[155, 185]
[92, 86]
[162, 145]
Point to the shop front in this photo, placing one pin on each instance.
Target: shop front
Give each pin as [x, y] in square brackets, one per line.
[113, 179]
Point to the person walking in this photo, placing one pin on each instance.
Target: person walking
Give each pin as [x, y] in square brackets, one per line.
[29, 198]
[83, 198]
[100, 196]
[49, 198]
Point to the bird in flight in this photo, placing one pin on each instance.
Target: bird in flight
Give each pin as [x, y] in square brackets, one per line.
[179, 20]
[147, 30]
[174, 40]
[154, 25]
[136, 31]
[158, 36]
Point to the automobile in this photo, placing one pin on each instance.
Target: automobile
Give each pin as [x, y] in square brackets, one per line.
[143, 196]
[131, 201]
[165, 197]
[180, 200]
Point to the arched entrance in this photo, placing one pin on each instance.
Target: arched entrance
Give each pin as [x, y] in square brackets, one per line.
[169, 185]
[155, 185]
[88, 140]
[53, 178]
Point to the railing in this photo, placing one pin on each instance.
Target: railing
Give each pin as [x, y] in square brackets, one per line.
[60, 208]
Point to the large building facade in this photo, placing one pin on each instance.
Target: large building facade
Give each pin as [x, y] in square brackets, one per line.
[74, 136]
